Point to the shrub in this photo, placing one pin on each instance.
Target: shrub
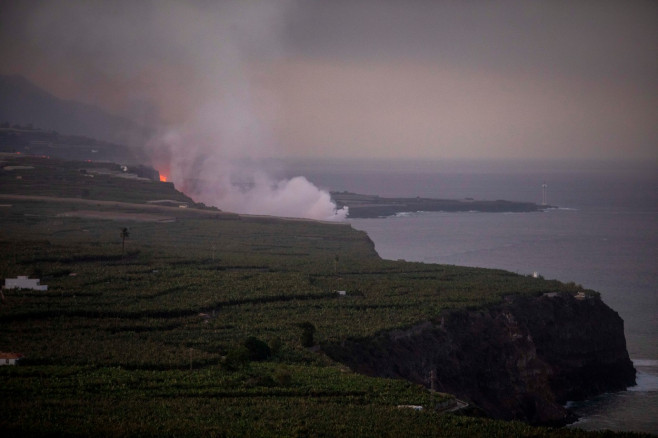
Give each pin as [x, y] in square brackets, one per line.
[275, 346]
[308, 330]
[283, 377]
[236, 358]
[258, 350]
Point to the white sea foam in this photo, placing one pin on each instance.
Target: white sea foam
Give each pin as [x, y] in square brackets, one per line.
[647, 375]
[645, 383]
[645, 363]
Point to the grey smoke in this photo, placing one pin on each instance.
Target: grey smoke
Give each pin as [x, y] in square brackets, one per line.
[191, 66]
[504, 79]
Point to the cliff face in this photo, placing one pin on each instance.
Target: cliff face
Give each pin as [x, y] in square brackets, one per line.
[519, 360]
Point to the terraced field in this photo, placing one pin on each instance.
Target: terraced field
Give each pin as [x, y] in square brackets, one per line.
[212, 324]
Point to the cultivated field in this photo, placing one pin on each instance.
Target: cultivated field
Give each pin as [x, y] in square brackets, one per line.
[212, 324]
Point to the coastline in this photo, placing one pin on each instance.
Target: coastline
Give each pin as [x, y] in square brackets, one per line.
[373, 206]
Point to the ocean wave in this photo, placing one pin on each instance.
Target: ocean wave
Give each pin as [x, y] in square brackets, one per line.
[645, 362]
[647, 375]
[645, 383]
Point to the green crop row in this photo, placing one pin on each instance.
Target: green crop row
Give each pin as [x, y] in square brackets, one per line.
[143, 341]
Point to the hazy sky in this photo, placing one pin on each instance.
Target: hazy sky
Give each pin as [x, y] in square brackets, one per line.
[414, 79]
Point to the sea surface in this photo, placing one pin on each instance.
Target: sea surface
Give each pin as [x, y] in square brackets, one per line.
[603, 234]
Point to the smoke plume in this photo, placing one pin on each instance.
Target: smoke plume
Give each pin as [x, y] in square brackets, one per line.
[194, 66]
[213, 151]
[193, 158]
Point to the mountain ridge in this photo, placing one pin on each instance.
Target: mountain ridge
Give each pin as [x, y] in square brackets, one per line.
[23, 102]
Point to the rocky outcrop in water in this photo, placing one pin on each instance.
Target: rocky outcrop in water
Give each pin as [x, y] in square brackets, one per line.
[521, 360]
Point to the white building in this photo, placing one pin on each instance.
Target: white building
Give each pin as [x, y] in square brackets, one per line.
[22, 282]
[9, 358]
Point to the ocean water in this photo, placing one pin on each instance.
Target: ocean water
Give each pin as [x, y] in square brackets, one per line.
[603, 235]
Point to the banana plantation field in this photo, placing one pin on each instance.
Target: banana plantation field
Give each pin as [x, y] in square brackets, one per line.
[212, 324]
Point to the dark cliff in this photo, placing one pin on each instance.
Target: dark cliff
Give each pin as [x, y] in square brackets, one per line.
[522, 359]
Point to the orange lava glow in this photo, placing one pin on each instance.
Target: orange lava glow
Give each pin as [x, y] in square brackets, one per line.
[163, 177]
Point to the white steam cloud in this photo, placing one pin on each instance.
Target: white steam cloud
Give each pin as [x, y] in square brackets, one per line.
[212, 154]
[236, 182]
[196, 66]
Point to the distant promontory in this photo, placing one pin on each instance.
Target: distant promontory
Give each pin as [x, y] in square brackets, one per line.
[373, 206]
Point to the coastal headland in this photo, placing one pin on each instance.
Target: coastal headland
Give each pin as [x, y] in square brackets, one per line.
[373, 206]
[157, 318]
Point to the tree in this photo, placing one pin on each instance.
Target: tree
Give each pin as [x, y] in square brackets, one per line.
[124, 235]
[258, 350]
[308, 330]
[252, 349]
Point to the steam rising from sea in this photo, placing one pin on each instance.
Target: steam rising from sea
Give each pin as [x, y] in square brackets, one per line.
[213, 150]
[213, 153]
[214, 163]
[208, 174]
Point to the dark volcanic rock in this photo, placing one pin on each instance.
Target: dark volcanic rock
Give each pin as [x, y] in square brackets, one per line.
[519, 360]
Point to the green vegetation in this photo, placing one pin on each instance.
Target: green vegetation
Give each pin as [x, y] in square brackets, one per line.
[201, 327]
[86, 180]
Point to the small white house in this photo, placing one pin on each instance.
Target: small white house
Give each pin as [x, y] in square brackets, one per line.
[22, 282]
[9, 358]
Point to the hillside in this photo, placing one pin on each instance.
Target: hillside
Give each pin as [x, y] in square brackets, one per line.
[27, 140]
[24, 103]
[42, 176]
[210, 323]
